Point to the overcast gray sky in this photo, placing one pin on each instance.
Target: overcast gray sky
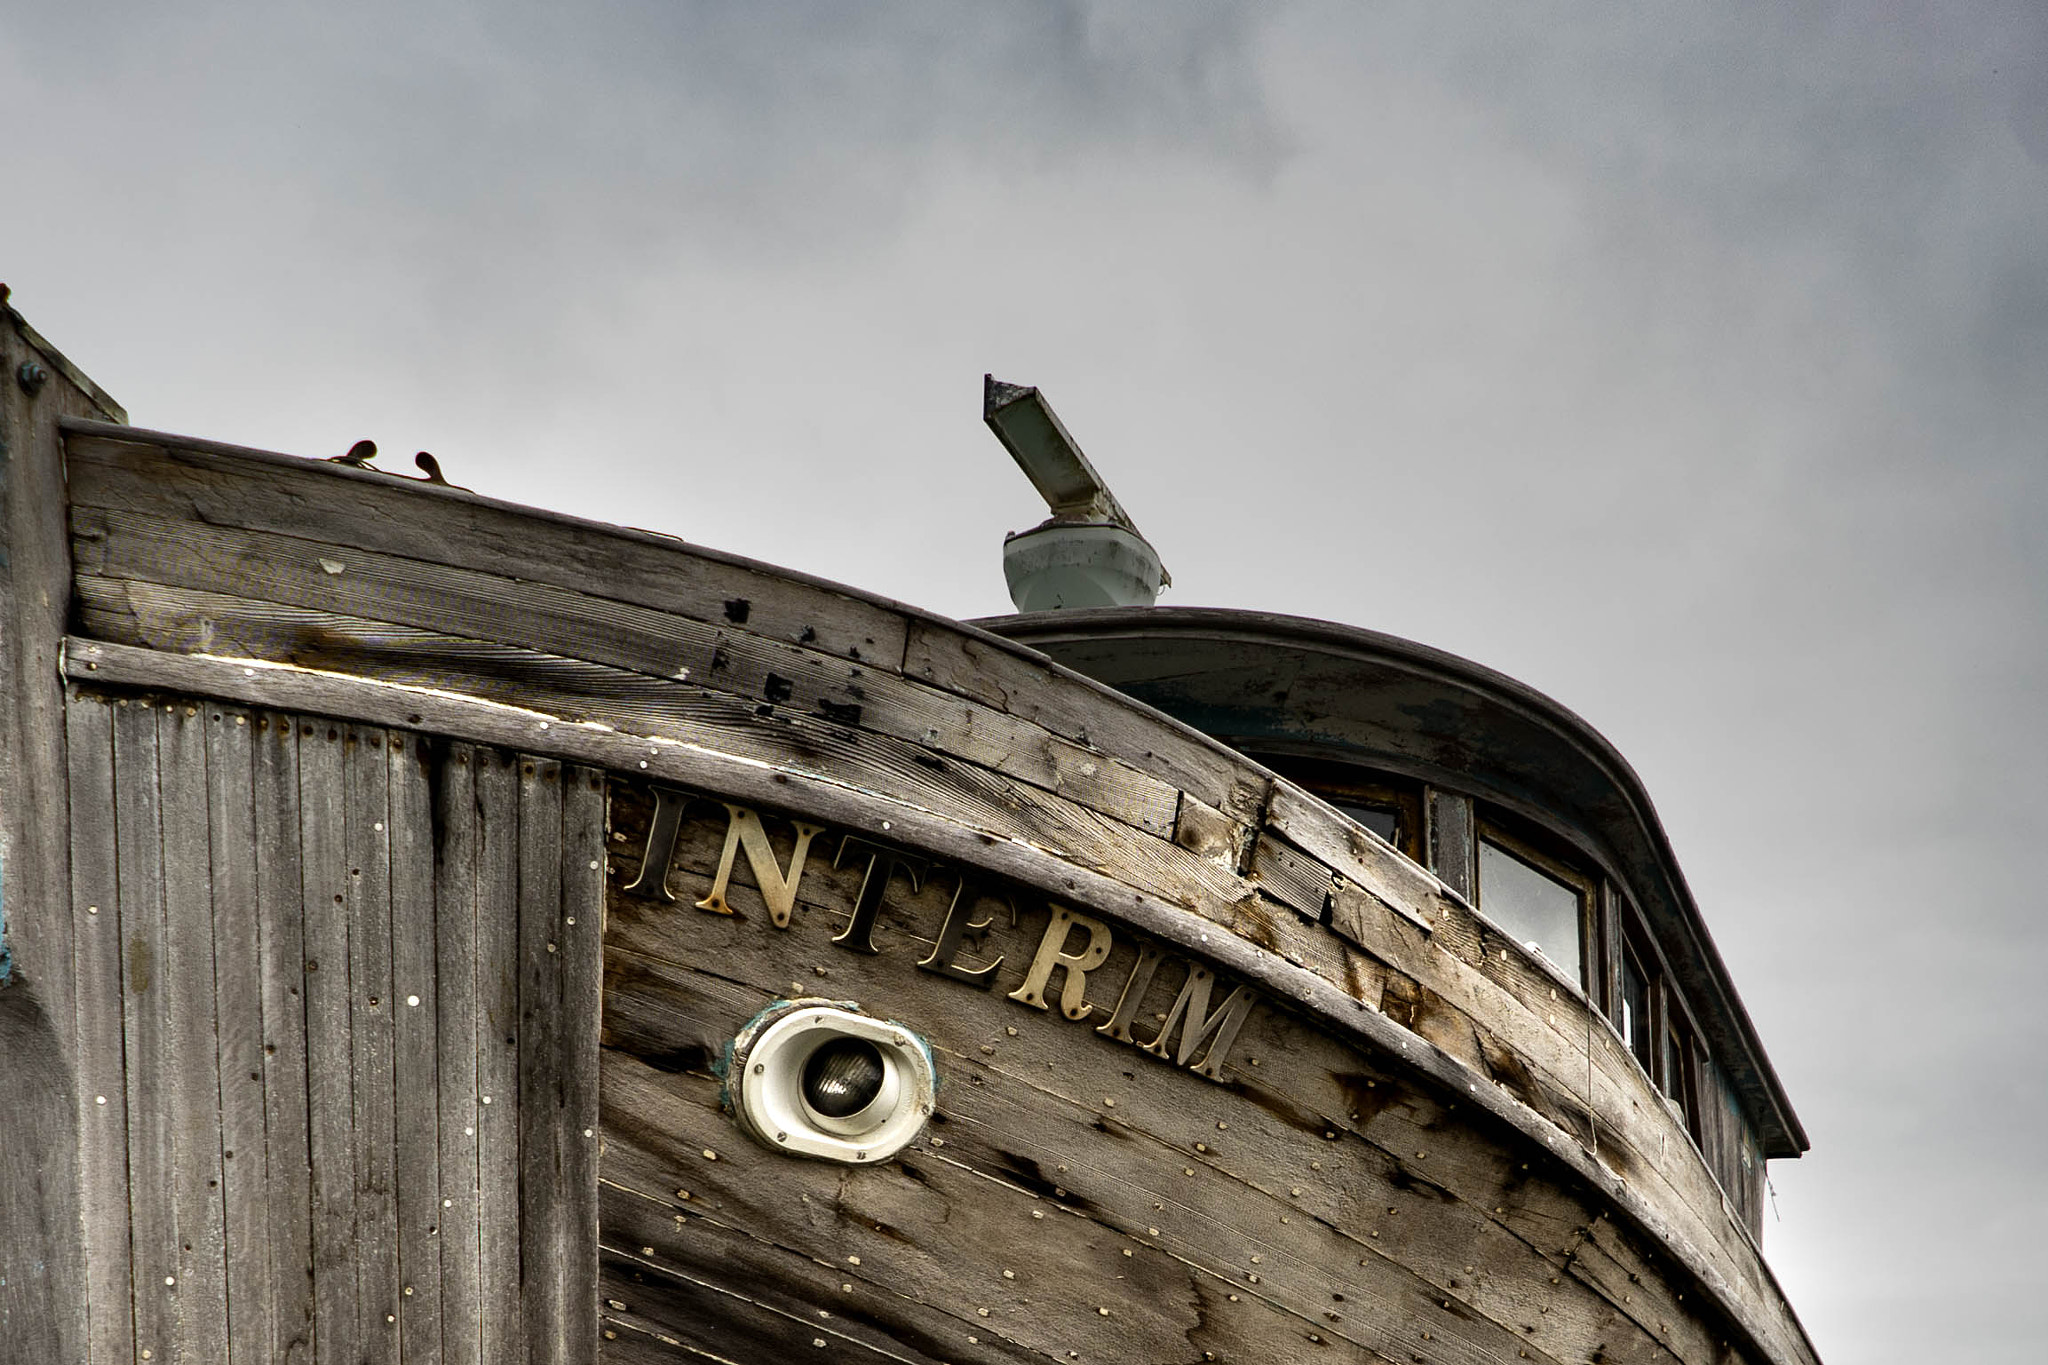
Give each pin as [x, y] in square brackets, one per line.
[1687, 362]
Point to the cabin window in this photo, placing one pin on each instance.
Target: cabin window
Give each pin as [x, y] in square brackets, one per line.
[1634, 1011]
[1537, 900]
[1676, 1074]
[1384, 821]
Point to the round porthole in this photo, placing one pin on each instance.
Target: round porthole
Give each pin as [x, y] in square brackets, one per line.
[819, 1078]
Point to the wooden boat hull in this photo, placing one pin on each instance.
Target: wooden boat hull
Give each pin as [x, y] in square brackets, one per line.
[393, 1006]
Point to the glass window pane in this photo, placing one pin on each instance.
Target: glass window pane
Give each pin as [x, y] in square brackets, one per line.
[1381, 820]
[1537, 908]
[1635, 1008]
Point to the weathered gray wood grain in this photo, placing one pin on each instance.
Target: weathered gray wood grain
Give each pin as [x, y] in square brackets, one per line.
[102, 1087]
[1034, 688]
[130, 548]
[155, 475]
[366, 803]
[977, 797]
[540, 1048]
[581, 936]
[191, 1076]
[459, 1039]
[42, 1272]
[238, 993]
[415, 1063]
[498, 840]
[658, 1008]
[282, 894]
[330, 1048]
[712, 1289]
[145, 1026]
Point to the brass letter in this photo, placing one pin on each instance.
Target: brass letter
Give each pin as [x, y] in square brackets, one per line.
[743, 830]
[1050, 955]
[859, 934]
[956, 931]
[1139, 982]
[667, 825]
[1191, 1011]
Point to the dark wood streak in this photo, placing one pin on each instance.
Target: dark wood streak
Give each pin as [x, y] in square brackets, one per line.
[415, 1012]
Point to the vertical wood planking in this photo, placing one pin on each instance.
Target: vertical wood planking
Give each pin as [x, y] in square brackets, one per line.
[281, 897]
[1452, 854]
[415, 1064]
[540, 1092]
[138, 827]
[102, 1095]
[581, 936]
[455, 947]
[367, 831]
[238, 989]
[192, 1069]
[277, 893]
[497, 978]
[330, 1100]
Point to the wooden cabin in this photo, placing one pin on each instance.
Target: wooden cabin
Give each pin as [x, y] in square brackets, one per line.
[441, 930]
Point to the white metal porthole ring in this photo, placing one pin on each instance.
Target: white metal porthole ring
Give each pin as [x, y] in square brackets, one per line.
[819, 1078]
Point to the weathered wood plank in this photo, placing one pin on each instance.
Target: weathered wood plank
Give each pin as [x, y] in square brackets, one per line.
[1351, 851]
[414, 1009]
[367, 834]
[330, 1049]
[287, 1172]
[541, 1025]
[145, 1026]
[238, 992]
[778, 1280]
[1056, 1122]
[42, 1272]
[192, 1072]
[146, 473]
[286, 572]
[729, 1297]
[1452, 849]
[971, 795]
[102, 1091]
[498, 1052]
[581, 935]
[461, 1037]
[1299, 1090]
[888, 1226]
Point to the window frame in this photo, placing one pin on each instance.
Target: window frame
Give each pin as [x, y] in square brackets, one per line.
[1539, 852]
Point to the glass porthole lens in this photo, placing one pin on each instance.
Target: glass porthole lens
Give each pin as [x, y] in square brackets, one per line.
[842, 1077]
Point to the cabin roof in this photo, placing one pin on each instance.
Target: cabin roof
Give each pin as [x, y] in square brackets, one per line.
[1285, 685]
